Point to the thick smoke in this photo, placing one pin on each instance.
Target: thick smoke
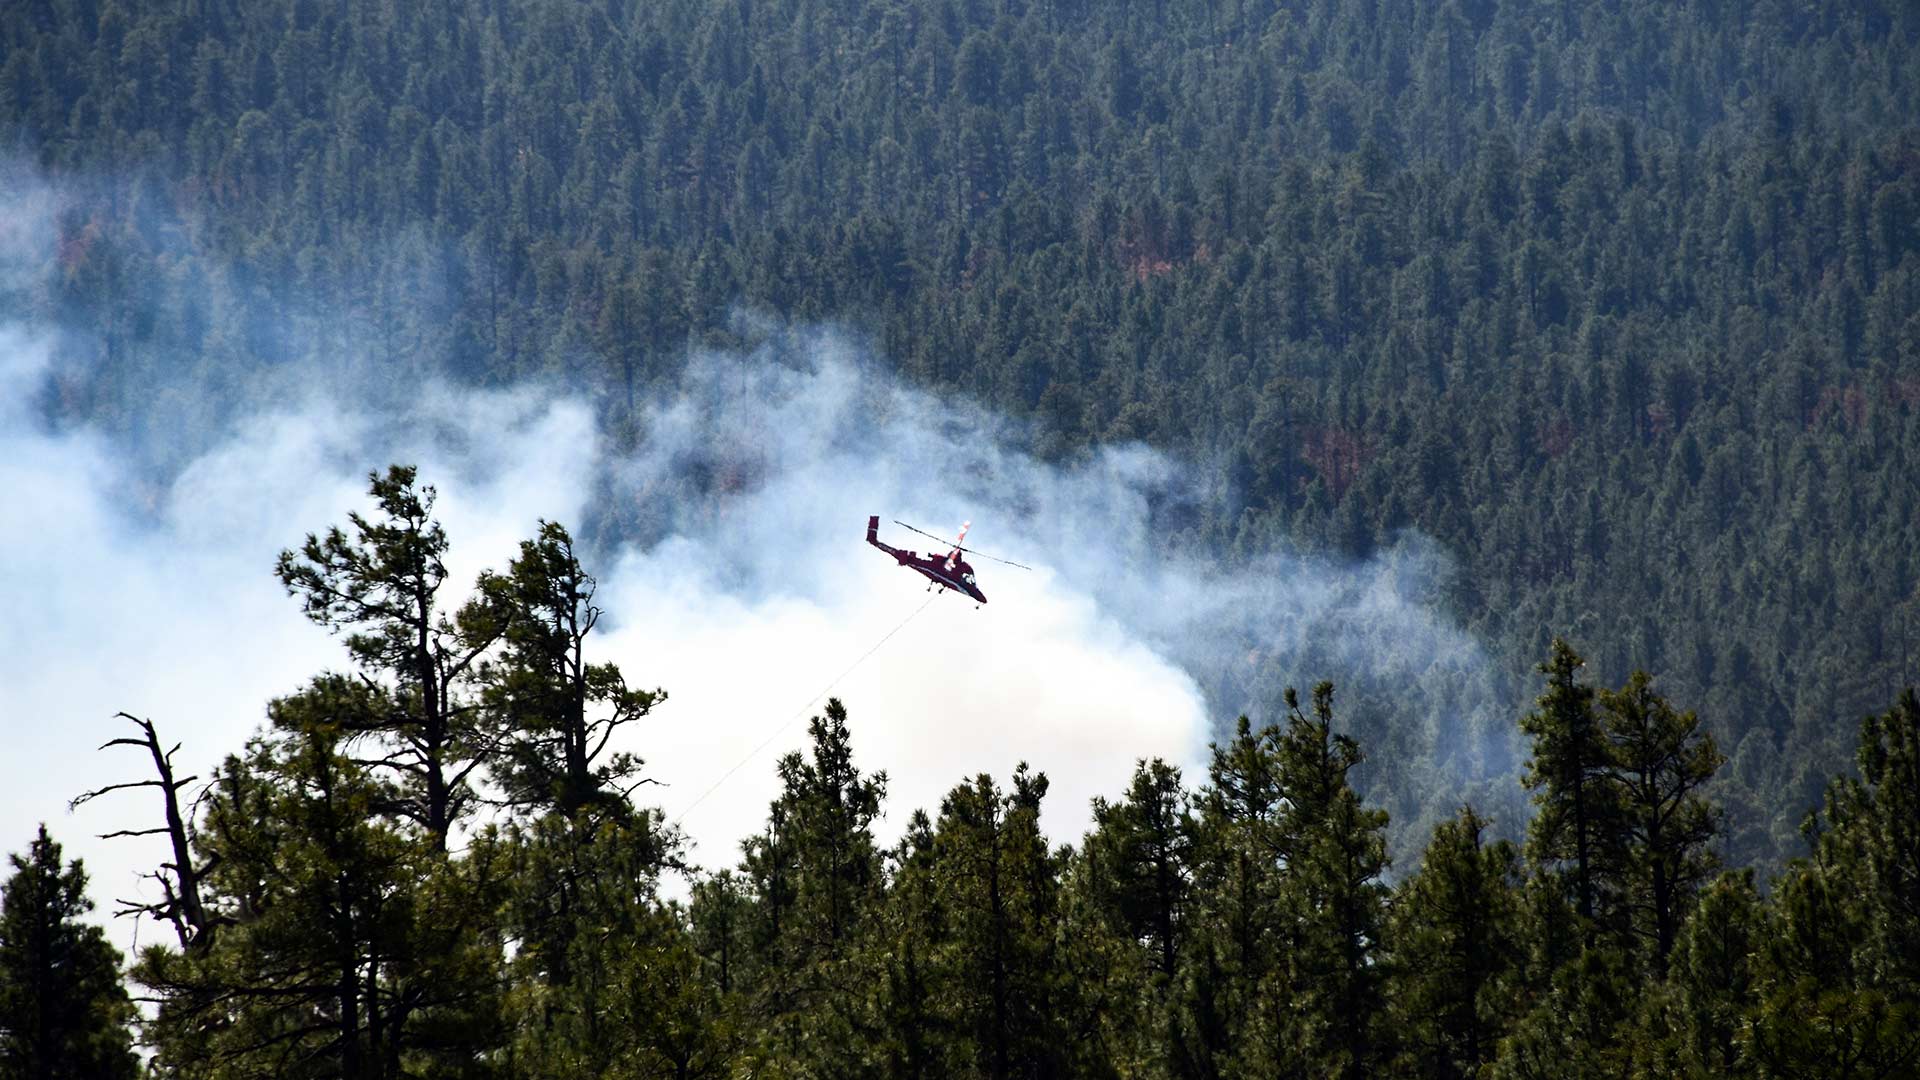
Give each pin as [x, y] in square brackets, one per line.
[751, 486]
[728, 538]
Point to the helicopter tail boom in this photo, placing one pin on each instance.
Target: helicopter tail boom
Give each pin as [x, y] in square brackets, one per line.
[873, 537]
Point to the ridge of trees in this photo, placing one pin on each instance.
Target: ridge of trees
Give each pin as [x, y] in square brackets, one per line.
[1246, 926]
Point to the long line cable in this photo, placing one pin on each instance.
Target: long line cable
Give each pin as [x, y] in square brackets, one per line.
[803, 710]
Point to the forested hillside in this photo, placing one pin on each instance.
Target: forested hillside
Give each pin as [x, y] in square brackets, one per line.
[1619, 302]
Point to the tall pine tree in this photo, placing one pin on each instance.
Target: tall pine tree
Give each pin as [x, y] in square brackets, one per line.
[1661, 759]
[63, 1013]
[1573, 837]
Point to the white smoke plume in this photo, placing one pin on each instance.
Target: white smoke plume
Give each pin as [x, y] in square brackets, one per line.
[729, 543]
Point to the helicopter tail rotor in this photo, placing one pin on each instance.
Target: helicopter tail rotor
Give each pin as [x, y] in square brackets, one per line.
[957, 544]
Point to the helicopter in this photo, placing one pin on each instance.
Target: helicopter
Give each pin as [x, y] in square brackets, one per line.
[950, 572]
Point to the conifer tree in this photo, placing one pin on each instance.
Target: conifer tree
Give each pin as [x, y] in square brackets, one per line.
[1840, 997]
[1574, 835]
[1582, 1025]
[554, 712]
[661, 1016]
[1455, 936]
[603, 967]
[816, 879]
[1660, 760]
[381, 584]
[1000, 889]
[1873, 826]
[1332, 896]
[719, 910]
[1237, 871]
[350, 944]
[918, 1032]
[63, 1013]
[1703, 1011]
[1127, 900]
[1144, 845]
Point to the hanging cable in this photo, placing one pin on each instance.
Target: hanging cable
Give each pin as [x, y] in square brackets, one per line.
[804, 709]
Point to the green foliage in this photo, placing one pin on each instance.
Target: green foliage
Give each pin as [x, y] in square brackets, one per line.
[999, 886]
[915, 1033]
[1128, 900]
[382, 583]
[1873, 831]
[606, 980]
[1455, 941]
[1575, 834]
[1805, 1031]
[1660, 760]
[557, 713]
[63, 1013]
[814, 885]
[1582, 1025]
[1137, 861]
[1237, 877]
[1332, 898]
[1840, 996]
[1697, 1027]
[350, 948]
[1619, 851]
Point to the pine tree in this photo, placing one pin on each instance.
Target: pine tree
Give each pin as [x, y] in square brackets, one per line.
[1001, 894]
[918, 1033]
[1125, 898]
[1455, 944]
[1581, 1026]
[603, 969]
[815, 877]
[349, 943]
[1660, 760]
[63, 1012]
[1144, 845]
[1840, 996]
[382, 585]
[1332, 895]
[554, 712]
[1235, 946]
[1699, 1025]
[1874, 823]
[1574, 835]
[661, 1017]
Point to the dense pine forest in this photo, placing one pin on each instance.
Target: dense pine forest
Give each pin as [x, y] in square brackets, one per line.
[1618, 303]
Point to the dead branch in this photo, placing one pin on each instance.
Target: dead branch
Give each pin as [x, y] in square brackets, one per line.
[179, 879]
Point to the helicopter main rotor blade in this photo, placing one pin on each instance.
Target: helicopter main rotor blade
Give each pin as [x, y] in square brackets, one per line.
[922, 532]
[995, 558]
[970, 551]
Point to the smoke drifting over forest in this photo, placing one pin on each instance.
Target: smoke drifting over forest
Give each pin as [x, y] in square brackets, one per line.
[725, 525]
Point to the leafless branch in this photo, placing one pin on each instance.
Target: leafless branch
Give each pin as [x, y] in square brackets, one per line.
[134, 832]
[178, 880]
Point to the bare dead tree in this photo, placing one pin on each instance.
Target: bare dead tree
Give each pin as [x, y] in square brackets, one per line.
[180, 878]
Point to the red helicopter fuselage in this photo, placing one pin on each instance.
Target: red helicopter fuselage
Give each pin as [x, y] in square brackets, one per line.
[948, 571]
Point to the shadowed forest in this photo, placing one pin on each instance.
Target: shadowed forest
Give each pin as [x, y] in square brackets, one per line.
[1618, 303]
